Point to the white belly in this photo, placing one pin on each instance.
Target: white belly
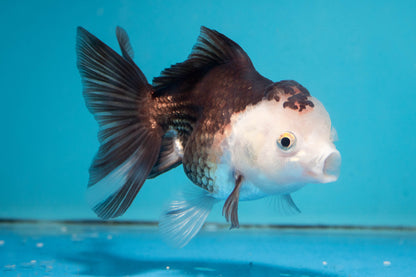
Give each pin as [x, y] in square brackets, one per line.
[224, 183]
[224, 178]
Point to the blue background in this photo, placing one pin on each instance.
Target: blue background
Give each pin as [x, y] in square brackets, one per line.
[357, 57]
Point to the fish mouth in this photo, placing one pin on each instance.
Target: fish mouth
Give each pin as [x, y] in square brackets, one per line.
[332, 166]
[328, 169]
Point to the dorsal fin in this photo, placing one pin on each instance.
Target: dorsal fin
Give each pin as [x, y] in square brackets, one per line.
[212, 49]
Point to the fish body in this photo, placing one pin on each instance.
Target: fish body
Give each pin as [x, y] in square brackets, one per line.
[239, 135]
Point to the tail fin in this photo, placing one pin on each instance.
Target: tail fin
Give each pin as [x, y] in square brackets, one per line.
[118, 95]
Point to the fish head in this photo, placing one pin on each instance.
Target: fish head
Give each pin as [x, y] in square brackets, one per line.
[280, 148]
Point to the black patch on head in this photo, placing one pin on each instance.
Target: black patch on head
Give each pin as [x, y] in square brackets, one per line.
[299, 94]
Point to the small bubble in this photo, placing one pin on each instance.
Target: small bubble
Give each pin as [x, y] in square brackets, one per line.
[39, 244]
[1, 242]
[387, 263]
[33, 261]
[64, 229]
[324, 263]
[109, 237]
[168, 267]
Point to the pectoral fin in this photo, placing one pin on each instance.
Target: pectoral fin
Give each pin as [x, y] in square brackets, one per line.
[285, 205]
[230, 209]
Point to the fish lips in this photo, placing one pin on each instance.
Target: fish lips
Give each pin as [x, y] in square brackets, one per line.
[326, 169]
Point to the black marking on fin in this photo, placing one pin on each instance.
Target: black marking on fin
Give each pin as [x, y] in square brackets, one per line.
[212, 49]
[117, 94]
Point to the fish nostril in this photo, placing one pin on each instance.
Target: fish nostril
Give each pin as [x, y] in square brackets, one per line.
[332, 164]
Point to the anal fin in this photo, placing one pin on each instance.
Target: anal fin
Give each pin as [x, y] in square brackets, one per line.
[184, 217]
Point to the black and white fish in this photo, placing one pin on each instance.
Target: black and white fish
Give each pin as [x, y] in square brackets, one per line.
[239, 135]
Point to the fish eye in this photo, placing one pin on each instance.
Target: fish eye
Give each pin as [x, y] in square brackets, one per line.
[286, 141]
